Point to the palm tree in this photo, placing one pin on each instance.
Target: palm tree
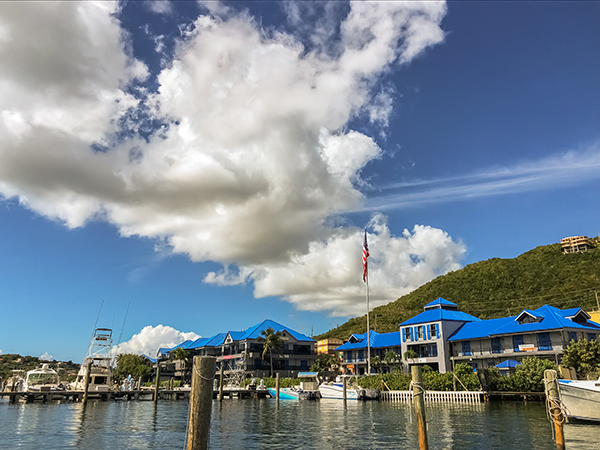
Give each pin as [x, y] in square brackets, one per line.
[376, 362]
[271, 340]
[180, 354]
[390, 357]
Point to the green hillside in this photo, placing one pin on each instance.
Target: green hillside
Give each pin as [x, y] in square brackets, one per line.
[495, 288]
[12, 361]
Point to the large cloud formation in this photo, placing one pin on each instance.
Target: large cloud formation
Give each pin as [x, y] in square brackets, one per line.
[150, 339]
[255, 161]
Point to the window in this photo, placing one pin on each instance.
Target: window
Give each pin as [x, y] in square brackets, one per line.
[361, 355]
[349, 356]
[432, 330]
[517, 340]
[544, 342]
[407, 334]
[466, 348]
[591, 336]
[572, 336]
[433, 350]
[420, 332]
[496, 345]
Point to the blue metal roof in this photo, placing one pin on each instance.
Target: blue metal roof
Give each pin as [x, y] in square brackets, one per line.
[508, 364]
[255, 331]
[440, 302]
[435, 315]
[551, 318]
[212, 341]
[378, 340]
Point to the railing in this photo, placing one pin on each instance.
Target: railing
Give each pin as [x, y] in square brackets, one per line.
[434, 396]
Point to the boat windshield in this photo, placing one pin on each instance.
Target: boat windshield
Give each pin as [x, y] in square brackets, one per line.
[42, 378]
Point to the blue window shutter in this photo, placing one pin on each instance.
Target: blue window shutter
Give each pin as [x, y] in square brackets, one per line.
[428, 332]
[403, 335]
[437, 330]
[411, 334]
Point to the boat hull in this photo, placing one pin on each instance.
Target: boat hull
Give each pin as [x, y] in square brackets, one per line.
[285, 394]
[581, 399]
[336, 391]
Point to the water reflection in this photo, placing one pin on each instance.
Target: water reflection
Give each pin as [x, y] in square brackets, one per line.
[268, 424]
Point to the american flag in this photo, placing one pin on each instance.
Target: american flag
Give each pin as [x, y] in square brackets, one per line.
[365, 256]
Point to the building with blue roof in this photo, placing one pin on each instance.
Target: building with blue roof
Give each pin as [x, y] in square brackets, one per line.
[354, 352]
[544, 332]
[242, 351]
[427, 333]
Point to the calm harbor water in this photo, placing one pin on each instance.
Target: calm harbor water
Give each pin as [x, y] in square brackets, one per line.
[266, 424]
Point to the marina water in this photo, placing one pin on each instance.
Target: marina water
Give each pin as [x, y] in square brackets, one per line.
[268, 424]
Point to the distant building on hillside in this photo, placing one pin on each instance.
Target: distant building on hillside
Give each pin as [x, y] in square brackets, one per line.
[328, 345]
[576, 244]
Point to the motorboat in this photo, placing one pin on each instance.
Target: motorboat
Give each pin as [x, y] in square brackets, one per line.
[99, 359]
[42, 379]
[286, 393]
[335, 390]
[581, 399]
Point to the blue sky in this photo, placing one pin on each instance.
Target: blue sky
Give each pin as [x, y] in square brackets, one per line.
[210, 165]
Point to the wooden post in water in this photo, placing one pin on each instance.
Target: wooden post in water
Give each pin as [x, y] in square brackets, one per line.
[419, 398]
[203, 374]
[277, 385]
[157, 383]
[221, 382]
[86, 386]
[554, 404]
[345, 388]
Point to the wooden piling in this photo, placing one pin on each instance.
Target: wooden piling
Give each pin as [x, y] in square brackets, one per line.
[88, 371]
[277, 385]
[554, 405]
[419, 401]
[203, 374]
[221, 382]
[345, 388]
[157, 383]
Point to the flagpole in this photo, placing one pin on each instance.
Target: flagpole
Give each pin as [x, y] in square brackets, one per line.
[368, 331]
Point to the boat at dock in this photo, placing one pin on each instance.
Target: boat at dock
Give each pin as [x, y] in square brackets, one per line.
[581, 399]
[286, 393]
[42, 379]
[99, 359]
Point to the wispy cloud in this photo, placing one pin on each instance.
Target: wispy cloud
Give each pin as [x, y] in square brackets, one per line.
[559, 171]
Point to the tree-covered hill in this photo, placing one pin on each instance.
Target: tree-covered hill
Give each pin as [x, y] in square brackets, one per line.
[13, 361]
[497, 287]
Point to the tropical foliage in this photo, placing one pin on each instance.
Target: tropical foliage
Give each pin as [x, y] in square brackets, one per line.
[129, 364]
[583, 356]
[271, 340]
[496, 288]
[324, 362]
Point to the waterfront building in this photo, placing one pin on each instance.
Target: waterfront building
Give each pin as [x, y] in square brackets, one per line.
[427, 334]
[544, 332]
[354, 352]
[241, 351]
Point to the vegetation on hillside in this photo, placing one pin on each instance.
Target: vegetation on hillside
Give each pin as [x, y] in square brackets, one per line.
[495, 288]
[67, 371]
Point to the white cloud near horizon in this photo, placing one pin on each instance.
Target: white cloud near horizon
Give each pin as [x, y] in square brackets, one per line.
[257, 162]
[150, 339]
[47, 357]
[554, 172]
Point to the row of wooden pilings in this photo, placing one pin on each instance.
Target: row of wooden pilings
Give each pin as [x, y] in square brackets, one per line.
[203, 374]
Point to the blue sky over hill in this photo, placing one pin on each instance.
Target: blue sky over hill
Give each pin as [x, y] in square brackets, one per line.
[214, 164]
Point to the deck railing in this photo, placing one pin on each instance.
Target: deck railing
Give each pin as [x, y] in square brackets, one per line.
[434, 396]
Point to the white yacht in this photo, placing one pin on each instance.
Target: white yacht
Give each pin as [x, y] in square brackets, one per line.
[99, 355]
[336, 390]
[581, 399]
[42, 379]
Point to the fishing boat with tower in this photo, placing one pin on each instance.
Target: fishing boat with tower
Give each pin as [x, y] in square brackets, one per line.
[99, 359]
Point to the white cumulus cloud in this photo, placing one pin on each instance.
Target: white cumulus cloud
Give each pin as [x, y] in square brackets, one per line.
[256, 161]
[150, 339]
[47, 357]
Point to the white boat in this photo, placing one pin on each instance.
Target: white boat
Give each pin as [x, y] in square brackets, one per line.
[42, 379]
[99, 355]
[336, 390]
[581, 399]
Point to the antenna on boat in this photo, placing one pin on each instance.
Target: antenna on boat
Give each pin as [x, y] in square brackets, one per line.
[97, 318]
[123, 326]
